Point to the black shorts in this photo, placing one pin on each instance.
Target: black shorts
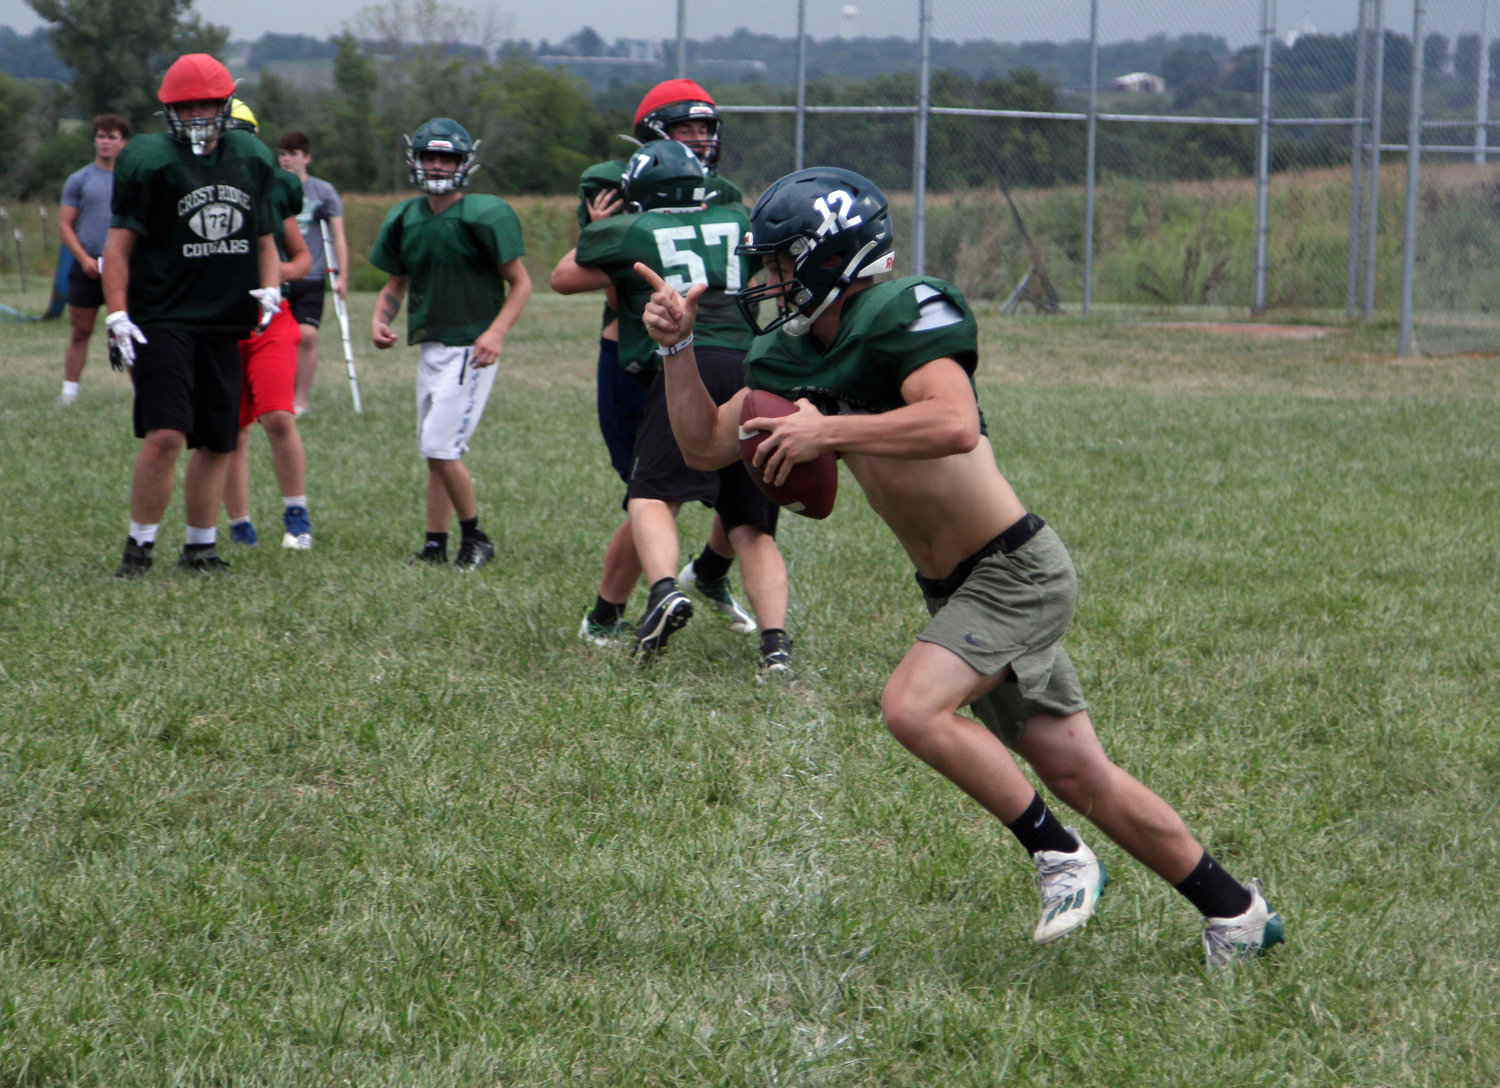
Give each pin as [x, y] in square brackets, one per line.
[85, 292]
[659, 472]
[306, 297]
[189, 383]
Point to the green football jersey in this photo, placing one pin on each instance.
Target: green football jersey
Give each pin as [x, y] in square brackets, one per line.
[452, 261]
[609, 175]
[684, 248]
[885, 332]
[198, 219]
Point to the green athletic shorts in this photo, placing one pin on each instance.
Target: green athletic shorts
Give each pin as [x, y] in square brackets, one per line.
[1012, 609]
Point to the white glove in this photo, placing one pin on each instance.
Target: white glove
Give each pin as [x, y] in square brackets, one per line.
[270, 305]
[123, 337]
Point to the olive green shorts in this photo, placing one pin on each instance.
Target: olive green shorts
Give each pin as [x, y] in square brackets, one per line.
[1012, 610]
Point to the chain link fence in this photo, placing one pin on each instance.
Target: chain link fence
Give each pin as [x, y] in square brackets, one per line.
[1228, 162]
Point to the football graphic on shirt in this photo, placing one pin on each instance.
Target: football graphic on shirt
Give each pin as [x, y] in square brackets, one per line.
[215, 221]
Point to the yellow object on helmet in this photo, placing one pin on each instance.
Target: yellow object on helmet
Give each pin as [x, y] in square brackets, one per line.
[241, 116]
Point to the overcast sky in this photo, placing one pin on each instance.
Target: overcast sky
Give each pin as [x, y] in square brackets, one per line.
[1238, 21]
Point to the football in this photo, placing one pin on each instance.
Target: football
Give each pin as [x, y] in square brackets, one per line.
[811, 486]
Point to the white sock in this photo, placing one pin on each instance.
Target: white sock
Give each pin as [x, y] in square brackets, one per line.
[143, 534]
[238, 521]
[70, 389]
[294, 500]
[202, 536]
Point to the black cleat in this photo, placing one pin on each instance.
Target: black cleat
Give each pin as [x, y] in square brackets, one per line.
[667, 616]
[202, 559]
[474, 552]
[136, 561]
[438, 557]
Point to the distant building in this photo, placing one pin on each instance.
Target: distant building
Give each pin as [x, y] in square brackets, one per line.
[1139, 83]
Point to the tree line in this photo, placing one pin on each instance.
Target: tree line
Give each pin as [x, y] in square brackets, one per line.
[540, 125]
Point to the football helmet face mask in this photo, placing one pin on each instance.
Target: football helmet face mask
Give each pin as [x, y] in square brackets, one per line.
[663, 174]
[196, 77]
[448, 137]
[672, 102]
[831, 227]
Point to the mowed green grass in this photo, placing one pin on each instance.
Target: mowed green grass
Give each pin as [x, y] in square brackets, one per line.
[337, 820]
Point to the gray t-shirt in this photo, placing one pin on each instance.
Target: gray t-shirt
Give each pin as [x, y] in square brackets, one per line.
[90, 190]
[320, 201]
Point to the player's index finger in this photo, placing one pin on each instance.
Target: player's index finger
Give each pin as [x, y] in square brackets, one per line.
[648, 273]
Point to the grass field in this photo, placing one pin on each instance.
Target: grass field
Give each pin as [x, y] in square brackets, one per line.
[334, 820]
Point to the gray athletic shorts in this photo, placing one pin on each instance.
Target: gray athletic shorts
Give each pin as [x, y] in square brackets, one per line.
[1010, 607]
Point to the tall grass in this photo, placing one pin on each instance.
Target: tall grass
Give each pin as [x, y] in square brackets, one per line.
[337, 820]
[1161, 245]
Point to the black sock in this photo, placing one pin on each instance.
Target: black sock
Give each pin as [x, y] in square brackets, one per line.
[1038, 829]
[606, 612]
[469, 527]
[711, 566]
[660, 588]
[436, 542]
[773, 639]
[1213, 891]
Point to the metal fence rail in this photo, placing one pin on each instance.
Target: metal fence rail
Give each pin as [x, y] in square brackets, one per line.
[1325, 241]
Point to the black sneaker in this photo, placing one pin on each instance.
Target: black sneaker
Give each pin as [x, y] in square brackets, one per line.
[438, 557]
[668, 615]
[136, 561]
[202, 559]
[775, 656]
[474, 552]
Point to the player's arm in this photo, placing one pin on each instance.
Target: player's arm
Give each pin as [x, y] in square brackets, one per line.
[119, 244]
[518, 291]
[940, 417]
[67, 228]
[707, 433]
[270, 261]
[299, 257]
[341, 253]
[387, 306]
[571, 278]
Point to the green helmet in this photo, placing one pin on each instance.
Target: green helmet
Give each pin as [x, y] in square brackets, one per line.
[834, 225]
[445, 135]
[663, 174]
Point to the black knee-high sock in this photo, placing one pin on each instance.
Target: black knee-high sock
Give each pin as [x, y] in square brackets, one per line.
[1038, 829]
[711, 566]
[1213, 891]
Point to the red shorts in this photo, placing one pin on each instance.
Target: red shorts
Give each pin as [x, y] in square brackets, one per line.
[270, 367]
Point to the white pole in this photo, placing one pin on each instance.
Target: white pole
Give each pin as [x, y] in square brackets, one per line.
[1361, 46]
[1372, 205]
[1413, 182]
[1089, 169]
[1263, 159]
[1482, 91]
[919, 156]
[801, 80]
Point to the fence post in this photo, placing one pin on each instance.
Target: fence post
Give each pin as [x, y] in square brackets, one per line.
[1372, 206]
[1090, 165]
[1482, 89]
[1413, 181]
[1263, 158]
[919, 151]
[1357, 151]
[801, 80]
[681, 39]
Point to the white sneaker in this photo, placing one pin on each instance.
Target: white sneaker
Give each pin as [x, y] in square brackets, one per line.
[1070, 885]
[66, 399]
[717, 594]
[1244, 936]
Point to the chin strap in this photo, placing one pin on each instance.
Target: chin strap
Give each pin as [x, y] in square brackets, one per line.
[802, 324]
